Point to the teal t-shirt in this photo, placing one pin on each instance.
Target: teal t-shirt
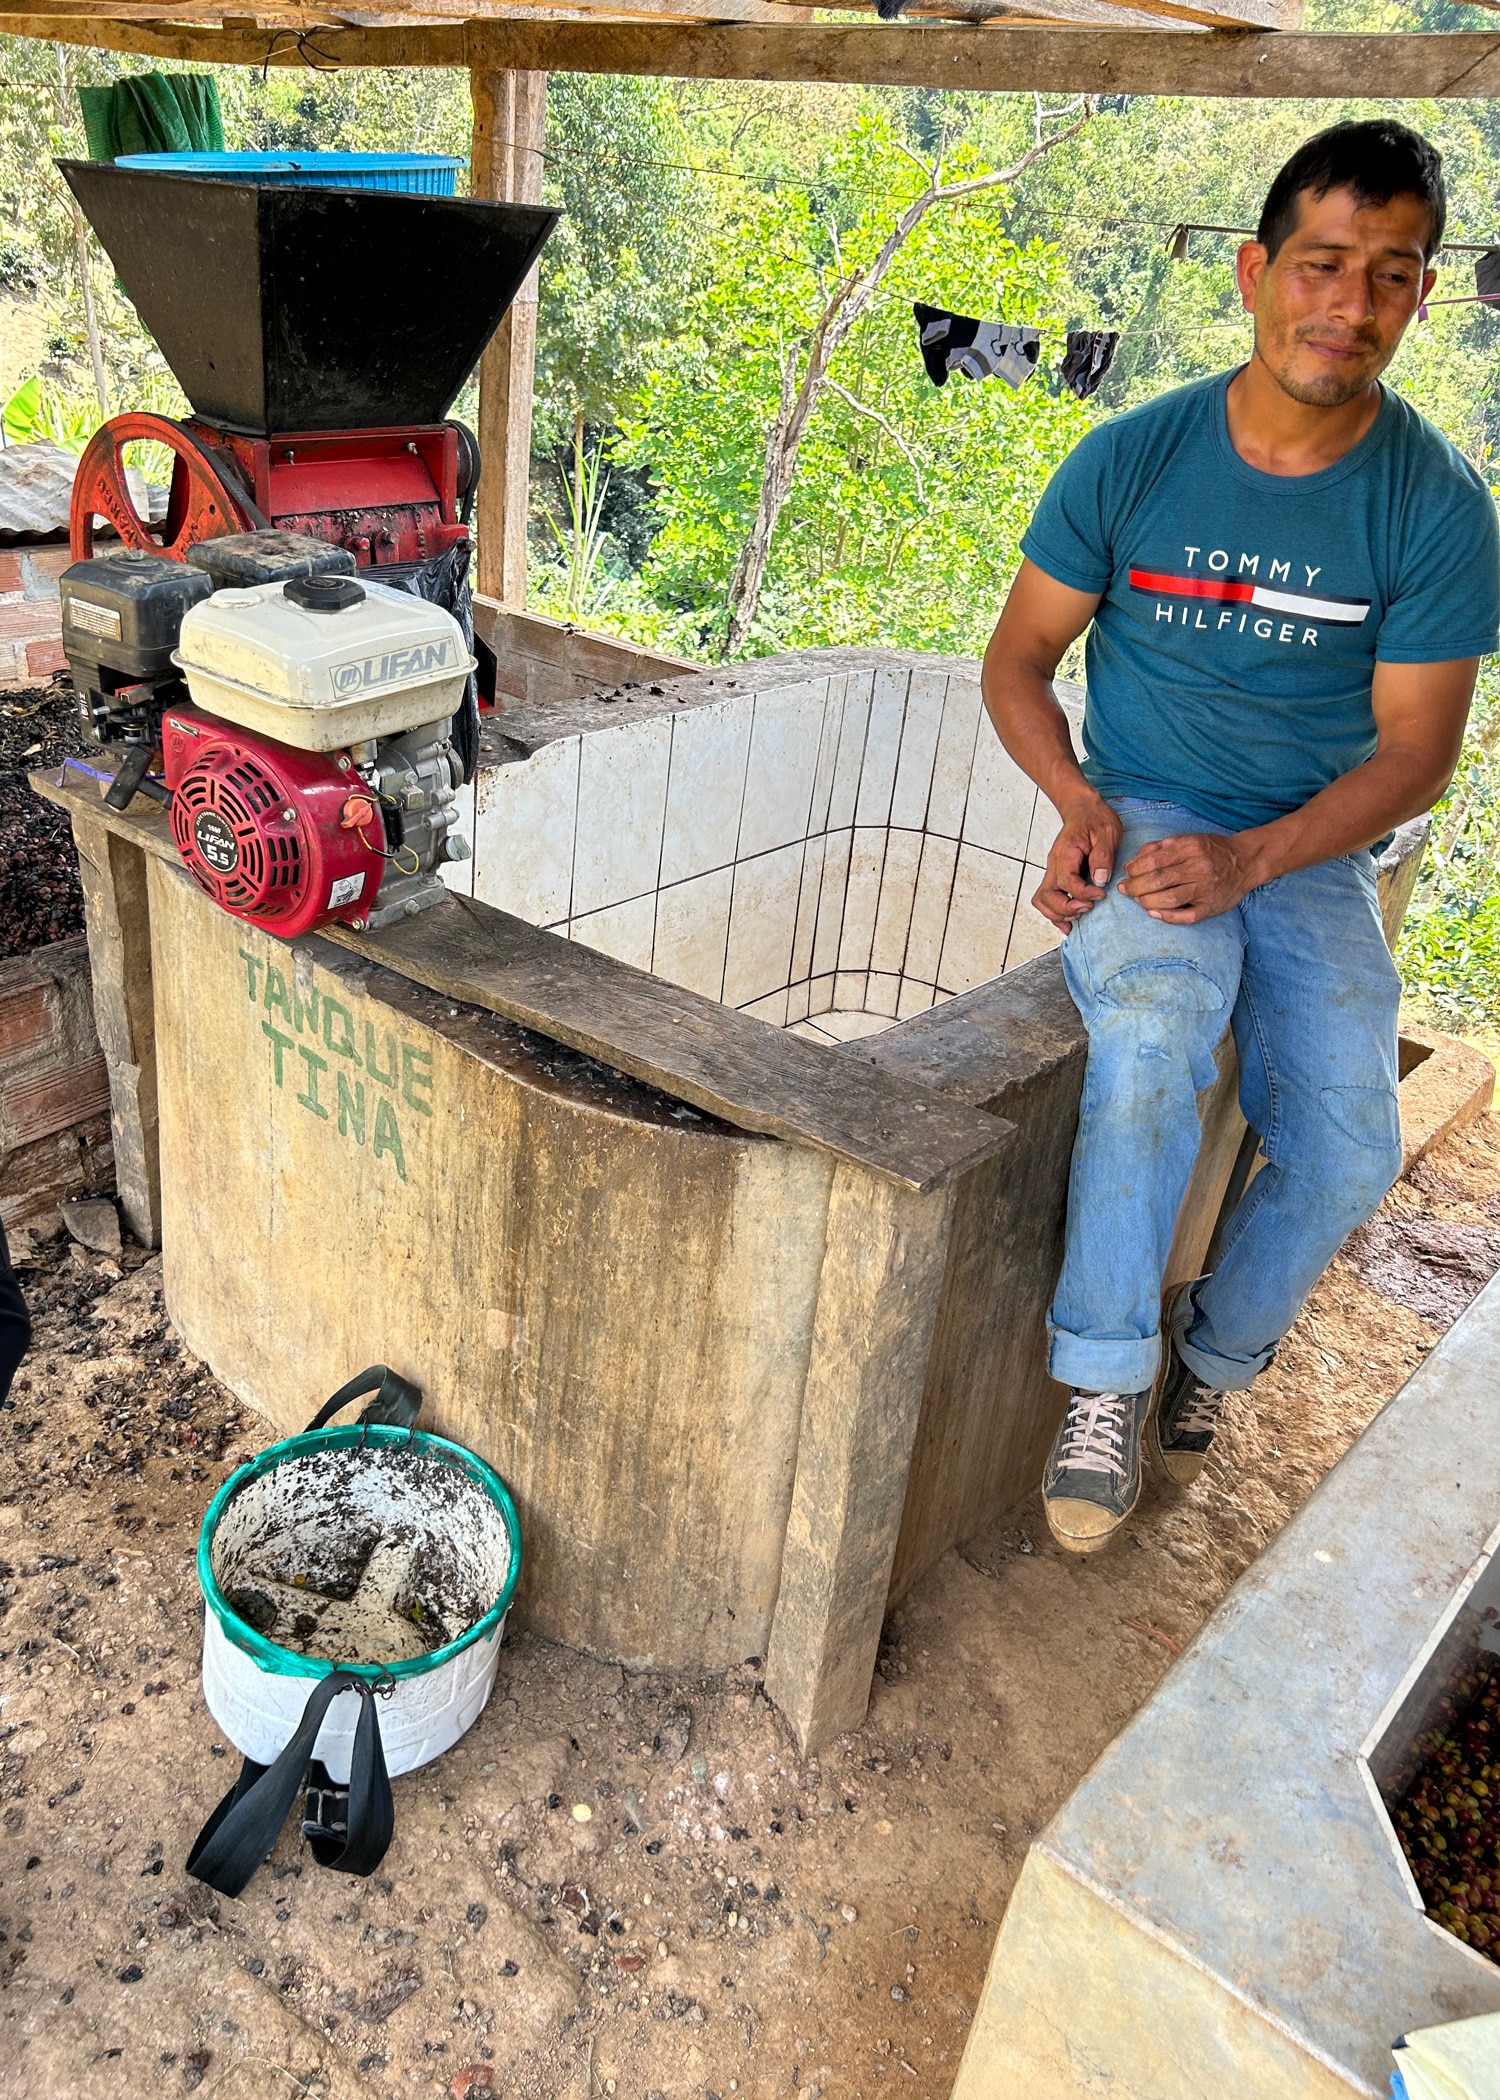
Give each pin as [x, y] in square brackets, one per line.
[1231, 657]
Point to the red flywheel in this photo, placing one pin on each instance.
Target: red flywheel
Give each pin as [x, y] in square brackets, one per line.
[200, 505]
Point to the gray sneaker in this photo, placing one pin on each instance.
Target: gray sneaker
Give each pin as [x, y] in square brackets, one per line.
[1187, 1415]
[1093, 1478]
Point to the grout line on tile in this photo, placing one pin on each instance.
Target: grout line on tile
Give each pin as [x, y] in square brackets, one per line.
[947, 907]
[577, 808]
[854, 826]
[963, 815]
[1015, 912]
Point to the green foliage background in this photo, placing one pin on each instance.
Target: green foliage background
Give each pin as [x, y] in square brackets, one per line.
[705, 226]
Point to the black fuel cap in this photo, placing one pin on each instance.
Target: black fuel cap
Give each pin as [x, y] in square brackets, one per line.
[325, 594]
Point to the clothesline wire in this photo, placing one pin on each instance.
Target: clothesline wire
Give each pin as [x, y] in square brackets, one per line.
[771, 184]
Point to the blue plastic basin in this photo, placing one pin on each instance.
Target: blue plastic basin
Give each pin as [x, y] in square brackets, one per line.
[420, 174]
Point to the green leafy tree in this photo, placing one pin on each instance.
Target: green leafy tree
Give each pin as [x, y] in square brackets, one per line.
[617, 274]
[905, 505]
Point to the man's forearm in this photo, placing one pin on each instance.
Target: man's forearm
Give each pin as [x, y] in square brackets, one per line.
[1353, 811]
[1032, 726]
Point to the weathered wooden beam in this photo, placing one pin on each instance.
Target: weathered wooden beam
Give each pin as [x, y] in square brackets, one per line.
[1151, 14]
[995, 58]
[510, 130]
[593, 10]
[274, 15]
[442, 44]
[1005, 58]
[113, 875]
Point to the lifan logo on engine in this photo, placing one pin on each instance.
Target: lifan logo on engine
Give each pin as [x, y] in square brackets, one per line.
[416, 662]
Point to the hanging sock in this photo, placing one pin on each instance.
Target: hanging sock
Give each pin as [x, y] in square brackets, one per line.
[1000, 351]
[1487, 276]
[933, 329]
[1090, 353]
[979, 349]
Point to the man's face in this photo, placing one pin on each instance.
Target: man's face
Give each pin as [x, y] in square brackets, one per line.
[1333, 305]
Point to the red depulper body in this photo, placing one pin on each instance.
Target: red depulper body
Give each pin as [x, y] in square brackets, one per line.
[384, 495]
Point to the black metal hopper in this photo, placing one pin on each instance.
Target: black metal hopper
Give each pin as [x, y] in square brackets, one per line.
[285, 309]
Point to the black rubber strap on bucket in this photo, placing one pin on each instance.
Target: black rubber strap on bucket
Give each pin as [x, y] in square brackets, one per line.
[396, 1401]
[247, 1822]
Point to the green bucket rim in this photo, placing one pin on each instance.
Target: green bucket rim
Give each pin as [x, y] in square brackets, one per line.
[277, 1661]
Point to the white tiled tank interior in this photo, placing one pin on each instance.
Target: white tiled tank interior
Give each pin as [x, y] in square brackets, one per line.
[828, 854]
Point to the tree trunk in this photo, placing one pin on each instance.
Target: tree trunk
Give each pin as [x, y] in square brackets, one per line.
[90, 317]
[798, 401]
[775, 485]
[81, 246]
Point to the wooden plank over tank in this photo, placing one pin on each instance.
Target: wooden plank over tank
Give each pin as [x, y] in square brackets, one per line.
[756, 1077]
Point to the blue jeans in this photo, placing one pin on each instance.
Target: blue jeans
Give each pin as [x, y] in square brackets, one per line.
[1300, 970]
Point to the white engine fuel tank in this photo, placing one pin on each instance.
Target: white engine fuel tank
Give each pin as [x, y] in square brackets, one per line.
[323, 662]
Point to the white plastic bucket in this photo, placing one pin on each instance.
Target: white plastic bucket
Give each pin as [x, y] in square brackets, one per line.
[297, 1506]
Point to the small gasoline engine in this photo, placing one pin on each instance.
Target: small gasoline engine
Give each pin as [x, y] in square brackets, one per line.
[294, 634]
[304, 717]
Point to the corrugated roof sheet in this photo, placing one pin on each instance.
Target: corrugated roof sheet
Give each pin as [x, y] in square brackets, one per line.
[36, 485]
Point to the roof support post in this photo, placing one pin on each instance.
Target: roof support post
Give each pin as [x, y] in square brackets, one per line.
[510, 125]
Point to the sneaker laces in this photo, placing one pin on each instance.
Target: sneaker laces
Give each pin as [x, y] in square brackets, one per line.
[1093, 1438]
[1199, 1415]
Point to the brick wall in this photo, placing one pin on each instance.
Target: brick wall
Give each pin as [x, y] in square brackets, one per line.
[539, 661]
[54, 1090]
[30, 617]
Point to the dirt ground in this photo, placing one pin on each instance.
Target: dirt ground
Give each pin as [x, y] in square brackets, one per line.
[40, 897]
[727, 1920]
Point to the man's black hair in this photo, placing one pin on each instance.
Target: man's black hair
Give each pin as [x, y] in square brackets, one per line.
[1377, 160]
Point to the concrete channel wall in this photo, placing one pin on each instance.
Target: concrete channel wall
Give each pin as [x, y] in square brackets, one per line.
[1222, 1907]
[752, 1325]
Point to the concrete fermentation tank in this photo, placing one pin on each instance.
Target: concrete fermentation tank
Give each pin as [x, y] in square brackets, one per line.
[702, 1156]
[750, 1320]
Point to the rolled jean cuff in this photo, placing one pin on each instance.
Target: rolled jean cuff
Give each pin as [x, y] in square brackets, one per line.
[1225, 1374]
[1103, 1367]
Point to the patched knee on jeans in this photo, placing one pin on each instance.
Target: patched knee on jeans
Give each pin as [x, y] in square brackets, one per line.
[1368, 1114]
[1165, 986]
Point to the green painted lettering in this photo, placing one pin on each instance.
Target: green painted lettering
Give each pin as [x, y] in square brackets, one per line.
[315, 1065]
[345, 1046]
[305, 1007]
[280, 1044]
[388, 1134]
[352, 1109]
[252, 964]
[412, 1078]
[275, 994]
[372, 1063]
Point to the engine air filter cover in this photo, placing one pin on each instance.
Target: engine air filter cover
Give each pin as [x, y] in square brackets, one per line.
[260, 826]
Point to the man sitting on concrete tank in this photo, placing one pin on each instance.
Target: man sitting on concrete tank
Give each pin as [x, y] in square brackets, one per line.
[1291, 577]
